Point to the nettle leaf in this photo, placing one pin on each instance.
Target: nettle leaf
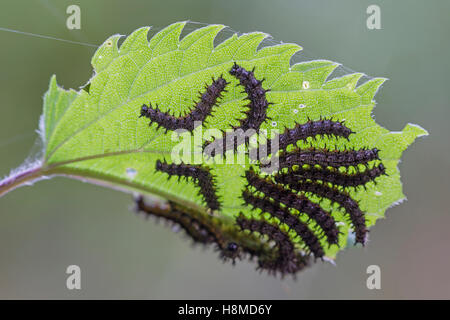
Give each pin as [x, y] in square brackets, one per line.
[97, 134]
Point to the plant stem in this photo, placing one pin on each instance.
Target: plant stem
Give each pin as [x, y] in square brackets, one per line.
[22, 177]
[37, 172]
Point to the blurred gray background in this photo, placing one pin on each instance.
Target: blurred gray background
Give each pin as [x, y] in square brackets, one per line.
[60, 222]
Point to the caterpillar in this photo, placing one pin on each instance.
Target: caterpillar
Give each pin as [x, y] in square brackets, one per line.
[342, 198]
[258, 105]
[201, 110]
[304, 131]
[200, 175]
[326, 158]
[287, 260]
[295, 201]
[283, 214]
[198, 231]
[332, 176]
[254, 116]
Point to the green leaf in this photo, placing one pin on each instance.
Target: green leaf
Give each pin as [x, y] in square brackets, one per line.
[96, 134]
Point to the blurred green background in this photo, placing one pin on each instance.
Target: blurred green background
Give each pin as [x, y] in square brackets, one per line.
[60, 222]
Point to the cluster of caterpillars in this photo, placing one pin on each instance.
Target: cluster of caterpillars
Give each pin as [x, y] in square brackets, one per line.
[285, 193]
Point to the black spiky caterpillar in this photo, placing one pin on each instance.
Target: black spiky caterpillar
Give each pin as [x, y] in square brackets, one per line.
[326, 158]
[201, 175]
[331, 175]
[201, 110]
[322, 127]
[287, 260]
[298, 202]
[207, 230]
[257, 112]
[342, 198]
[198, 231]
[254, 116]
[291, 220]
